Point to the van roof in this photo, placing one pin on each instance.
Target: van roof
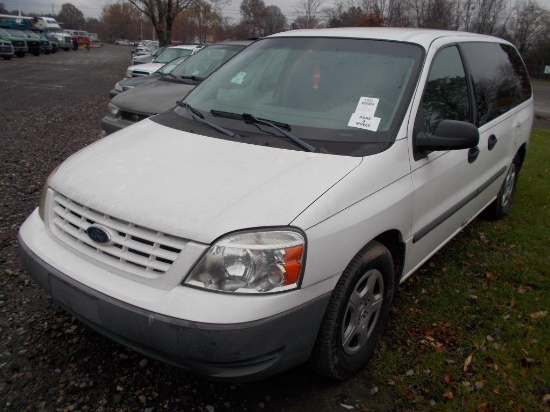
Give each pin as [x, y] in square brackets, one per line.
[423, 37]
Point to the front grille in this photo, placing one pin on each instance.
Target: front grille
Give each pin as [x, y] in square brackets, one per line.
[134, 249]
[5, 47]
[18, 43]
[132, 116]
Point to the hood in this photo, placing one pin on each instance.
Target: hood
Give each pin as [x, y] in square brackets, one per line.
[153, 98]
[147, 67]
[138, 81]
[196, 187]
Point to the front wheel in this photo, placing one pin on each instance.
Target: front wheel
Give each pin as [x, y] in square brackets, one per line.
[356, 314]
[501, 205]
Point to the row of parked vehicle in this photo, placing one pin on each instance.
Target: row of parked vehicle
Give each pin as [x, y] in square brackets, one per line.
[266, 218]
[20, 42]
[159, 77]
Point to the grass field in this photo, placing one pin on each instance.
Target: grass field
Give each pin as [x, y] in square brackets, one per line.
[471, 330]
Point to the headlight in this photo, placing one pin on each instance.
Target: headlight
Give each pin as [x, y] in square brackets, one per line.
[252, 262]
[42, 202]
[128, 73]
[113, 109]
[118, 87]
[127, 88]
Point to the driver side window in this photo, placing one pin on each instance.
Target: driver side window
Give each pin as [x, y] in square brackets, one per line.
[446, 92]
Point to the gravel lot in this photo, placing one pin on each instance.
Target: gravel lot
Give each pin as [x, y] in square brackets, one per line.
[50, 108]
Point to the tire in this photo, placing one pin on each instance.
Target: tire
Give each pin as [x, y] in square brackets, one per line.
[20, 54]
[502, 204]
[7, 57]
[356, 314]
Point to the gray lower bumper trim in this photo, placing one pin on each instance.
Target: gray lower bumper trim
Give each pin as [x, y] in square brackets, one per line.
[236, 352]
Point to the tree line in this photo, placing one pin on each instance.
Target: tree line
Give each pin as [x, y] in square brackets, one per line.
[523, 22]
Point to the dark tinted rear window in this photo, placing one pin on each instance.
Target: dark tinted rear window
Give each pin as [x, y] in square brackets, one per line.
[499, 76]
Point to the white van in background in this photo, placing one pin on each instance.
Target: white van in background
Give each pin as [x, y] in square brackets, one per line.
[268, 218]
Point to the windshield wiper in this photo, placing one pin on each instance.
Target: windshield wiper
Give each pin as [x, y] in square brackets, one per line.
[168, 74]
[196, 78]
[214, 126]
[250, 119]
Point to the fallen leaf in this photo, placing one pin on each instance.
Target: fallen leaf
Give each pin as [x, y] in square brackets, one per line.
[524, 289]
[410, 372]
[374, 391]
[348, 407]
[539, 315]
[468, 364]
[448, 378]
[449, 395]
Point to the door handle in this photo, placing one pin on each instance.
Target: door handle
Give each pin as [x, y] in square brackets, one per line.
[492, 142]
[473, 153]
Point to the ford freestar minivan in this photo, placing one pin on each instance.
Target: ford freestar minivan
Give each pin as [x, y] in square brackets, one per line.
[268, 218]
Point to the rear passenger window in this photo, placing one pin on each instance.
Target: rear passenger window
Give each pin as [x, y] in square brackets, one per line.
[499, 77]
[446, 92]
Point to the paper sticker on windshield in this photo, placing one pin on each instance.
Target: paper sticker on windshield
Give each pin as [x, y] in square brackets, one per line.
[364, 121]
[367, 105]
[196, 73]
[239, 78]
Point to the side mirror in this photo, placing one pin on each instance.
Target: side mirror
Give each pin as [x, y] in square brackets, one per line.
[448, 135]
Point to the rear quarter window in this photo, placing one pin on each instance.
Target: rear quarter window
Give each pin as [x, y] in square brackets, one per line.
[499, 77]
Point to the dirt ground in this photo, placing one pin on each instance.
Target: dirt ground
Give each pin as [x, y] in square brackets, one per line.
[50, 107]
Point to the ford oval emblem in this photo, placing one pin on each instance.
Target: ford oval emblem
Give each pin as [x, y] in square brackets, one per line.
[99, 235]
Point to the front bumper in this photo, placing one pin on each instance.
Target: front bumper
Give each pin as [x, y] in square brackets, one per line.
[113, 93]
[234, 352]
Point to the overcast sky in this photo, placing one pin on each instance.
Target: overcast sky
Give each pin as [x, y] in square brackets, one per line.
[92, 8]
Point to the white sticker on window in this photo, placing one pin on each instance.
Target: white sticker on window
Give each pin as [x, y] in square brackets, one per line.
[364, 121]
[239, 78]
[196, 72]
[367, 105]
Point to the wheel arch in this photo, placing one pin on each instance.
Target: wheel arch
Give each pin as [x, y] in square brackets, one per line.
[393, 241]
[521, 153]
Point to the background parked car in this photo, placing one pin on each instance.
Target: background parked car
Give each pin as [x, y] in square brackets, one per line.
[163, 92]
[166, 56]
[124, 43]
[131, 82]
[148, 58]
[19, 45]
[6, 49]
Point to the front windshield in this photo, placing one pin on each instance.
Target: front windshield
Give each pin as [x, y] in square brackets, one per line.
[168, 67]
[333, 92]
[172, 53]
[204, 62]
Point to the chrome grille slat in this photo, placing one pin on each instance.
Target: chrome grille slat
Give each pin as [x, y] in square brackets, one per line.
[134, 249]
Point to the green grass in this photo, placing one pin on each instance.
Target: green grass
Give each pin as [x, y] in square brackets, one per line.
[470, 330]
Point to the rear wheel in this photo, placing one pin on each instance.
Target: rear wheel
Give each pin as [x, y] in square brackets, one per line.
[356, 314]
[501, 205]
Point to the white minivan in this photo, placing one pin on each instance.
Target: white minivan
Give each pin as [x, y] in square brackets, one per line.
[268, 218]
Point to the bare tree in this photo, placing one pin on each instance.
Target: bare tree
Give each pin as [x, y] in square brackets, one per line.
[274, 20]
[491, 17]
[71, 16]
[253, 13]
[162, 14]
[122, 20]
[434, 14]
[308, 12]
[531, 24]
[205, 20]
